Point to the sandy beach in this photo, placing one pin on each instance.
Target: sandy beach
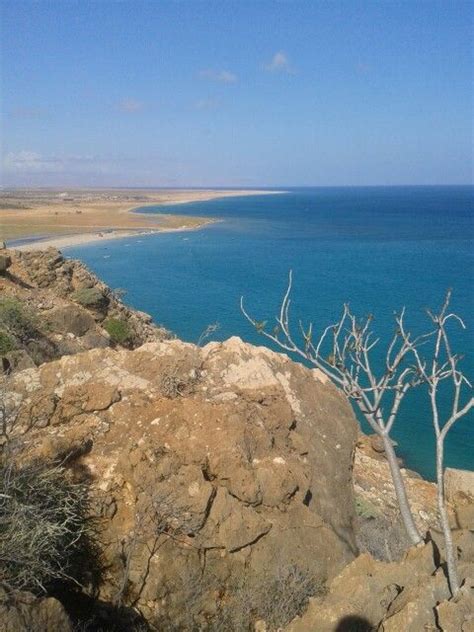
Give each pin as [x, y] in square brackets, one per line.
[79, 239]
[48, 217]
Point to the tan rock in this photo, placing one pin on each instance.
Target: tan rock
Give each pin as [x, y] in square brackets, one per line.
[454, 615]
[231, 525]
[84, 398]
[367, 589]
[258, 481]
[413, 610]
[26, 613]
[459, 481]
[19, 360]
[465, 516]
[320, 420]
[278, 483]
[39, 410]
[70, 319]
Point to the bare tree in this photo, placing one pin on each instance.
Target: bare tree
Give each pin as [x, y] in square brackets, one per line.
[210, 329]
[343, 352]
[443, 366]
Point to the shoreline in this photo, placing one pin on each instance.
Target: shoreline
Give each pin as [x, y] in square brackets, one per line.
[208, 197]
[82, 239]
[131, 222]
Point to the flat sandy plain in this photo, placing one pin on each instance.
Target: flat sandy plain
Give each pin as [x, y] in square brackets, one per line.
[70, 217]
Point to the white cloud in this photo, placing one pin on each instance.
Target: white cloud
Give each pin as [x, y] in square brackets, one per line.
[223, 76]
[26, 161]
[31, 161]
[130, 105]
[279, 63]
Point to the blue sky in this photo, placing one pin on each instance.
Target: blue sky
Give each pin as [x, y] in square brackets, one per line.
[236, 93]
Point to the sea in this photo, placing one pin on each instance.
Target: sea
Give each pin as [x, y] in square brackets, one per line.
[377, 248]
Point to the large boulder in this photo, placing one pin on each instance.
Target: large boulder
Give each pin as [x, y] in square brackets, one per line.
[93, 298]
[219, 463]
[458, 614]
[459, 482]
[70, 319]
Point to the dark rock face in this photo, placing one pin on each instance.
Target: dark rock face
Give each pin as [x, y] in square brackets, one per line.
[5, 263]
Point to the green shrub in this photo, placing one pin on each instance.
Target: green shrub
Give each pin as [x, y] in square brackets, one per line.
[45, 533]
[7, 343]
[118, 330]
[89, 297]
[16, 318]
[365, 509]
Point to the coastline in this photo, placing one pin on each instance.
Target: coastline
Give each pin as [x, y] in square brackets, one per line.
[207, 196]
[82, 239]
[42, 220]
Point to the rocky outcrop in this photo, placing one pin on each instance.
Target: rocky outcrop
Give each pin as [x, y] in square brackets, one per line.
[373, 486]
[228, 483]
[410, 595]
[459, 483]
[411, 592]
[52, 306]
[25, 613]
[218, 463]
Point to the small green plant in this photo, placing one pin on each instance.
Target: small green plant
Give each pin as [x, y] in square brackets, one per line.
[16, 319]
[118, 330]
[89, 297]
[365, 509]
[7, 343]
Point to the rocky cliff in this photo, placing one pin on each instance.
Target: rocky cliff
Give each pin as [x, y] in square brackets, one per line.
[227, 484]
[213, 463]
[51, 306]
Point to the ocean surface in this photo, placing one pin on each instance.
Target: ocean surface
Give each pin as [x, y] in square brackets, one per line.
[379, 248]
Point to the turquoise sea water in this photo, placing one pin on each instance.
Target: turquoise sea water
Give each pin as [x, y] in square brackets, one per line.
[378, 248]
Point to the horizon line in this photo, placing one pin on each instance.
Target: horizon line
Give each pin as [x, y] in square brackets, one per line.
[226, 188]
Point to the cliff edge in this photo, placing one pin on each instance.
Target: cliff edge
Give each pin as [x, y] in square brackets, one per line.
[226, 486]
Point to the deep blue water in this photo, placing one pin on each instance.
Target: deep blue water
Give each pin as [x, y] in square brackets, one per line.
[378, 248]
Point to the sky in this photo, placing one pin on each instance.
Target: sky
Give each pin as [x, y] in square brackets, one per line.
[236, 93]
